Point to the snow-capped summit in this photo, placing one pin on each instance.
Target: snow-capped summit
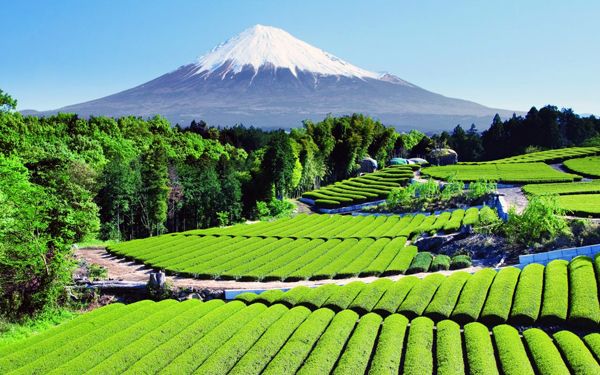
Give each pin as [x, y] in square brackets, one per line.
[267, 78]
[266, 45]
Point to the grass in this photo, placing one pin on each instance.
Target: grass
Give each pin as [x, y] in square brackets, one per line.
[11, 332]
[505, 173]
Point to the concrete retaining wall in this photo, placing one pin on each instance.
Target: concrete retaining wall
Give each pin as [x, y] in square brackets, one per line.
[566, 254]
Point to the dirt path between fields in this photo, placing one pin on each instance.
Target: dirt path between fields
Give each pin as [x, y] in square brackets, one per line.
[514, 198]
[125, 270]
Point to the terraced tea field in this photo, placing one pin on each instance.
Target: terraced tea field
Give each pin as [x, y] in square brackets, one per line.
[214, 337]
[589, 167]
[549, 156]
[562, 292]
[565, 188]
[516, 173]
[581, 204]
[366, 188]
[303, 247]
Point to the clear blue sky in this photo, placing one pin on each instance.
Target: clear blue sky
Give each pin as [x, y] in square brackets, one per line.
[508, 54]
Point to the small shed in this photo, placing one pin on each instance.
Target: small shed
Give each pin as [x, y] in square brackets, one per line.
[443, 156]
[368, 165]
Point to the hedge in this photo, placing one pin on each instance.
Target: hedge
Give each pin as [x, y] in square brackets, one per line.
[227, 354]
[440, 262]
[264, 350]
[419, 347]
[233, 312]
[388, 353]
[318, 296]
[356, 355]
[327, 350]
[344, 296]
[497, 305]
[386, 257]
[471, 217]
[511, 351]
[460, 261]
[293, 296]
[395, 295]
[291, 356]
[584, 308]
[270, 296]
[401, 261]
[421, 263]
[555, 301]
[581, 361]
[446, 296]
[479, 348]
[370, 295]
[473, 296]
[455, 222]
[63, 351]
[363, 261]
[248, 323]
[128, 356]
[449, 354]
[528, 295]
[593, 343]
[544, 354]
[420, 295]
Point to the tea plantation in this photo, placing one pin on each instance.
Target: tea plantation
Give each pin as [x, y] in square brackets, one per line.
[303, 247]
[589, 167]
[215, 337]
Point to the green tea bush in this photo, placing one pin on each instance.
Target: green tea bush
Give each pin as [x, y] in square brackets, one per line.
[440, 262]
[421, 263]
[460, 261]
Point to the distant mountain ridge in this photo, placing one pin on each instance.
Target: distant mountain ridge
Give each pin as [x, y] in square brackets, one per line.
[267, 78]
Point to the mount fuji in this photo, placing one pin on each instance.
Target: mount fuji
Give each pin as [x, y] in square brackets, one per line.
[267, 78]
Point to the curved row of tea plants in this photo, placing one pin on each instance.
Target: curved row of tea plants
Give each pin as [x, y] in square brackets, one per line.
[516, 173]
[194, 337]
[589, 167]
[367, 188]
[581, 204]
[560, 292]
[346, 226]
[549, 156]
[564, 188]
[358, 246]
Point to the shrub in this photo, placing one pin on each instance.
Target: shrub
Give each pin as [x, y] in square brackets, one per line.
[318, 296]
[266, 347]
[344, 296]
[583, 292]
[446, 296]
[455, 222]
[471, 216]
[420, 263]
[440, 262]
[353, 358]
[592, 340]
[402, 260]
[528, 295]
[270, 296]
[247, 297]
[370, 295]
[543, 352]
[327, 350]
[481, 189]
[497, 305]
[388, 353]
[452, 189]
[420, 295]
[555, 303]
[479, 348]
[296, 349]
[511, 352]
[395, 295]
[540, 222]
[580, 360]
[449, 354]
[226, 354]
[460, 261]
[473, 296]
[419, 347]
[293, 296]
